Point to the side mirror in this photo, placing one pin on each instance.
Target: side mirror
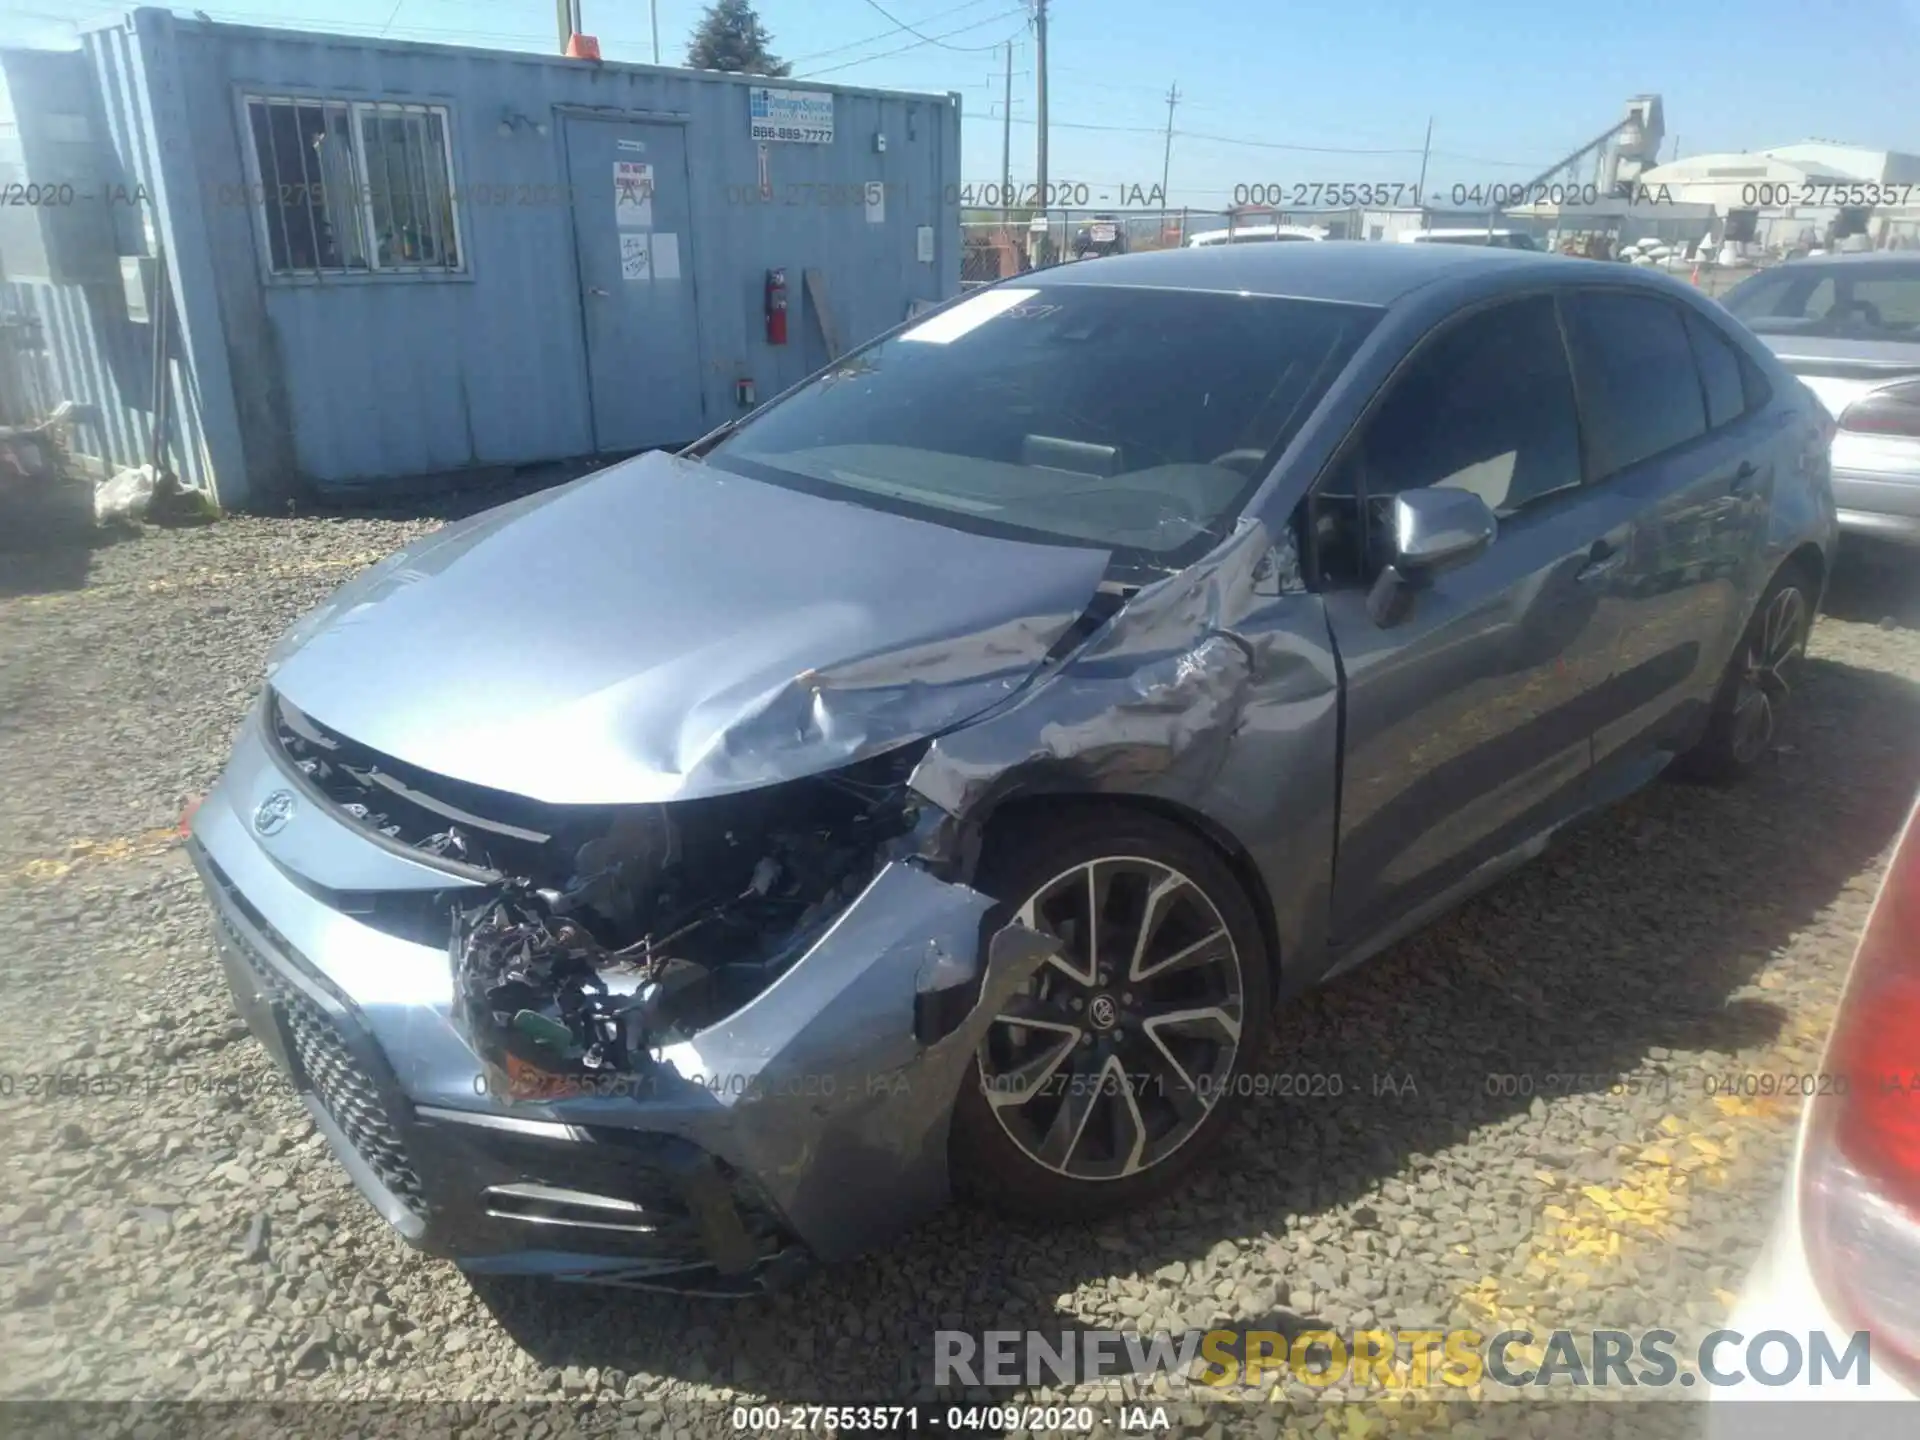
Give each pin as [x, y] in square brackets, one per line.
[1434, 531]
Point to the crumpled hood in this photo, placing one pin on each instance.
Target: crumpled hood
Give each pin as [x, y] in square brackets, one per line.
[663, 629]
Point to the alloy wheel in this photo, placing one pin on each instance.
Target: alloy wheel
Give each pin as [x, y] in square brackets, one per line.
[1120, 1046]
[1764, 684]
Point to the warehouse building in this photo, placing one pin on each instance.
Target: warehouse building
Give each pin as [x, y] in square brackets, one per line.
[354, 260]
[1817, 192]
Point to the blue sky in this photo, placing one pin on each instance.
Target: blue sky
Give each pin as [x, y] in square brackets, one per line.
[1511, 85]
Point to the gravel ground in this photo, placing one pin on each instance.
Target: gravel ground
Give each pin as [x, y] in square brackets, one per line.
[1526, 1128]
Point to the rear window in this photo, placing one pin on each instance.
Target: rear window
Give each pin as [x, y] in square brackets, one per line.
[1837, 302]
[1139, 421]
[1721, 373]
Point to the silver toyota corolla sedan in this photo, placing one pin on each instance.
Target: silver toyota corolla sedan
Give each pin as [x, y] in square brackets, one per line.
[1849, 327]
[936, 779]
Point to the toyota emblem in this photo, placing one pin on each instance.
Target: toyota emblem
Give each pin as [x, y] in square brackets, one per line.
[274, 812]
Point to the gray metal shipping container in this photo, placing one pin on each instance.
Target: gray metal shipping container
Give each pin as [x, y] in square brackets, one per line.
[390, 259]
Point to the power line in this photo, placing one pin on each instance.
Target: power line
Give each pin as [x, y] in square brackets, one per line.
[901, 50]
[1301, 149]
[883, 35]
[929, 39]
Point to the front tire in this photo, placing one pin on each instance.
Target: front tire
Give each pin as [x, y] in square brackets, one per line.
[1760, 678]
[1109, 1078]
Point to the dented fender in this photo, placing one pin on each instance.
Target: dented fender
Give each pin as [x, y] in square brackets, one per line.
[1216, 691]
[821, 1087]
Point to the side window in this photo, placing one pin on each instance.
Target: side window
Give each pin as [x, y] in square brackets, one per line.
[1639, 388]
[1487, 406]
[1720, 372]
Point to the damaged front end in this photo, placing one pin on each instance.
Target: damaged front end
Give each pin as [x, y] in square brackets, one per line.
[602, 934]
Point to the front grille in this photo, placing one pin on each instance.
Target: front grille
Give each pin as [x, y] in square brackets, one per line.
[345, 1091]
[445, 819]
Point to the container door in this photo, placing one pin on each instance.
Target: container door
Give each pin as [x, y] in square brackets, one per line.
[631, 226]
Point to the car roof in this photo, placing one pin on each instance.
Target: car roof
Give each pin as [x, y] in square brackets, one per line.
[1357, 272]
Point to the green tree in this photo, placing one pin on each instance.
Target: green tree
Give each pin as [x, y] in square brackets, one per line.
[730, 37]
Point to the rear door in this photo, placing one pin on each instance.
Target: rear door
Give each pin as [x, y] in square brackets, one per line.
[1665, 415]
[1468, 724]
[632, 236]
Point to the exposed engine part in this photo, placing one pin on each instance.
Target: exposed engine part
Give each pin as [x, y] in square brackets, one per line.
[527, 985]
[666, 918]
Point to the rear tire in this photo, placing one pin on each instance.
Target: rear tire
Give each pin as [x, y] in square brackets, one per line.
[1759, 681]
[1115, 1072]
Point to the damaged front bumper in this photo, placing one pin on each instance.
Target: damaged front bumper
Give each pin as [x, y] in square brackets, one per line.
[811, 1122]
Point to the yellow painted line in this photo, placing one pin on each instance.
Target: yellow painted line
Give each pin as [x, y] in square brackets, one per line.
[82, 853]
[203, 579]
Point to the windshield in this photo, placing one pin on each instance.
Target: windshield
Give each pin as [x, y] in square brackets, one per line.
[1845, 301]
[1135, 420]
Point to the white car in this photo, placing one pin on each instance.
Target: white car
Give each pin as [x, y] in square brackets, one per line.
[1251, 234]
[1844, 1255]
[1471, 235]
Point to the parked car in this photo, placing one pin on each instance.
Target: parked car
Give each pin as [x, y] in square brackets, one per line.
[937, 777]
[1257, 234]
[1472, 235]
[1844, 1253]
[1102, 235]
[1849, 326]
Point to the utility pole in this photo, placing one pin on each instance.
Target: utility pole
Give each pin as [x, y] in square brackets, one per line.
[1006, 142]
[1420, 195]
[1040, 69]
[653, 11]
[1166, 157]
[563, 15]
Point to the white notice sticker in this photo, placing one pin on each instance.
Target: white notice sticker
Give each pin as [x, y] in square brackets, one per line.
[950, 324]
[923, 244]
[636, 261]
[876, 203]
[666, 256]
[633, 195]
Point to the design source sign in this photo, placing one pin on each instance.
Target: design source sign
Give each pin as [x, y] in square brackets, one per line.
[802, 115]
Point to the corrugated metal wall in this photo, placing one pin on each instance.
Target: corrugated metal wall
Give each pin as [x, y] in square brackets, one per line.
[90, 351]
[352, 379]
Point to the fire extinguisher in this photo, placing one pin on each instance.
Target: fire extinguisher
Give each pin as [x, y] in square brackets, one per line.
[776, 307]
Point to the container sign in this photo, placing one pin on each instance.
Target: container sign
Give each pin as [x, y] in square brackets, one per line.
[923, 244]
[636, 261]
[636, 145]
[876, 203]
[633, 195]
[798, 115]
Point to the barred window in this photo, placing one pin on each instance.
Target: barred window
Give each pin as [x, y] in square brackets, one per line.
[348, 187]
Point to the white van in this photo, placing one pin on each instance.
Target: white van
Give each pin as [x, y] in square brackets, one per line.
[1252, 234]
[1478, 235]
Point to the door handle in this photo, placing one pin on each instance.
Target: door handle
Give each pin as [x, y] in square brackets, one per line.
[1602, 560]
[1742, 480]
[596, 290]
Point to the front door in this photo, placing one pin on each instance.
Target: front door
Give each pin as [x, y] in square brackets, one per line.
[633, 238]
[1469, 722]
